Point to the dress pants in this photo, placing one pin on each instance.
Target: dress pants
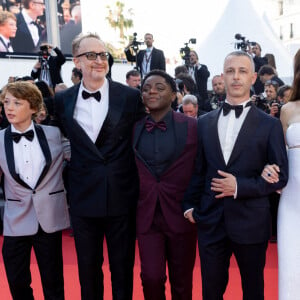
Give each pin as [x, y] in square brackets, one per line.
[48, 251]
[215, 260]
[159, 246]
[89, 235]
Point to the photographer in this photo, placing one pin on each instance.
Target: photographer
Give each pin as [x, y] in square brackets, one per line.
[148, 59]
[48, 67]
[200, 74]
[275, 105]
[268, 101]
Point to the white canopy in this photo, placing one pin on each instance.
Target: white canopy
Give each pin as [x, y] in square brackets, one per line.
[240, 17]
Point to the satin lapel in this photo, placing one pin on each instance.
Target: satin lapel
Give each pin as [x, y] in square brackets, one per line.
[46, 151]
[211, 140]
[9, 152]
[247, 129]
[115, 110]
[181, 133]
[136, 136]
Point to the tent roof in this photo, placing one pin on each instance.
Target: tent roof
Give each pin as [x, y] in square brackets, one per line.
[240, 17]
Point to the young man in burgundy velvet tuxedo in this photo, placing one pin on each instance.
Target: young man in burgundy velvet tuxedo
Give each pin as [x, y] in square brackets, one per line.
[235, 143]
[165, 145]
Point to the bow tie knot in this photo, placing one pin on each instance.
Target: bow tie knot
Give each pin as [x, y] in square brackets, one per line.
[96, 95]
[150, 125]
[237, 108]
[29, 135]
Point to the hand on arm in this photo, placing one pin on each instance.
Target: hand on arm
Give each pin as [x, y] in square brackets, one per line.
[225, 186]
[270, 173]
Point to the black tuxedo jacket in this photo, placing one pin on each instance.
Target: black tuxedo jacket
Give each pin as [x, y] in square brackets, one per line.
[103, 177]
[55, 63]
[157, 59]
[245, 219]
[23, 41]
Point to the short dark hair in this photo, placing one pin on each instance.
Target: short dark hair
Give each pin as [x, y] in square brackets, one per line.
[170, 80]
[266, 69]
[283, 89]
[181, 69]
[77, 73]
[133, 73]
[188, 82]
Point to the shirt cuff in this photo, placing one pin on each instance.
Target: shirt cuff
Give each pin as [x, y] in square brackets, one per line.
[187, 211]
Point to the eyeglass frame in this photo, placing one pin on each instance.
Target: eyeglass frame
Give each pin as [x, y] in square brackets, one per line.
[271, 82]
[104, 58]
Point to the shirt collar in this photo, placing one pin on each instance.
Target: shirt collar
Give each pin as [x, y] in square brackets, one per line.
[13, 129]
[243, 103]
[27, 18]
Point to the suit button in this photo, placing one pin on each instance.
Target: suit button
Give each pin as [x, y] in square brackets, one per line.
[33, 192]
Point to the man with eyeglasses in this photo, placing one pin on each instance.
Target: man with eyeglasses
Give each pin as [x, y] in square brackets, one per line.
[97, 115]
[30, 34]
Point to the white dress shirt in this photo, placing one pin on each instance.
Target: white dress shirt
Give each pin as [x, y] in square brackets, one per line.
[29, 158]
[32, 28]
[5, 45]
[228, 129]
[89, 113]
[147, 61]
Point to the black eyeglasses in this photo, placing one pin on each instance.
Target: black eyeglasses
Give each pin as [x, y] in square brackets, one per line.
[40, 3]
[94, 55]
[272, 82]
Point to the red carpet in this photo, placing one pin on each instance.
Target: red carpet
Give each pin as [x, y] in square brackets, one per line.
[72, 290]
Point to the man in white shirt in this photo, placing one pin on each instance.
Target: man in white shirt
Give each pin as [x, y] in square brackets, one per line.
[98, 116]
[227, 197]
[29, 32]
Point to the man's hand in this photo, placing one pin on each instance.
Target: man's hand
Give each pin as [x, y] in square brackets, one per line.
[189, 215]
[37, 65]
[225, 186]
[274, 109]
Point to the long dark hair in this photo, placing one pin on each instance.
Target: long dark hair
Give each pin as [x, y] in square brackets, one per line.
[295, 94]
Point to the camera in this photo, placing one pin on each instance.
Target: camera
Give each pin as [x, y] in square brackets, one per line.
[179, 85]
[261, 101]
[185, 52]
[135, 43]
[43, 53]
[244, 45]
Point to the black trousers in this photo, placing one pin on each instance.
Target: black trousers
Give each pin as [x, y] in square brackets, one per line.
[48, 251]
[89, 235]
[215, 260]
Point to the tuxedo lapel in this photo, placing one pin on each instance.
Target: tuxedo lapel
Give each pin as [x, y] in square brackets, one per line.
[9, 152]
[212, 140]
[247, 129]
[46, 151]
[115, 110]
[181, 133]
[136, 136]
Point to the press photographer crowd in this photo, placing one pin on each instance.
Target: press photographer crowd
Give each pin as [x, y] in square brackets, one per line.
[268, 93]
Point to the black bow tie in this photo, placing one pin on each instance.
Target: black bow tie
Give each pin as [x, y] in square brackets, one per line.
[17, 136]
[150, 125]
[237, 108]
[34, 23]
[86, 95]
